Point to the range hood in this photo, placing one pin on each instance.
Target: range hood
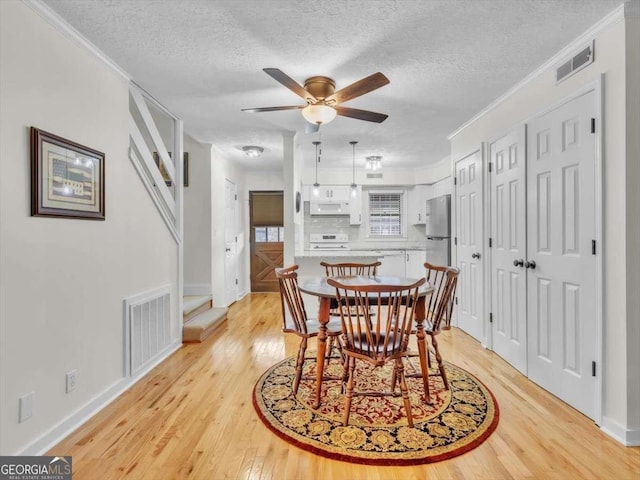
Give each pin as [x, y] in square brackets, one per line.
[320, 207]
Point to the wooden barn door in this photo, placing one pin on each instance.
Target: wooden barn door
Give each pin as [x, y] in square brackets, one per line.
[267, 239]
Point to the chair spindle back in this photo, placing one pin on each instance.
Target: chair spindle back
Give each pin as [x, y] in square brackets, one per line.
[378, 323]
[291, 299]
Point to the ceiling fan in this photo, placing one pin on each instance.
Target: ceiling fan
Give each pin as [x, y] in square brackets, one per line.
[323, 102]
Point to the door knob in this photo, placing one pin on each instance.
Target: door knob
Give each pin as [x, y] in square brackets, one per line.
[475, 255]
[531, 264]
[518, 263]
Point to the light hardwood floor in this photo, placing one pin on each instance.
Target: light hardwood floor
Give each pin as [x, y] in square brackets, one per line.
[192, 417]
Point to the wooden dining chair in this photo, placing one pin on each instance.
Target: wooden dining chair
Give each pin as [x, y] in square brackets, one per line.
[347, 269]
[298, 323]
[438, 311]
[376, 329]
[350, 268]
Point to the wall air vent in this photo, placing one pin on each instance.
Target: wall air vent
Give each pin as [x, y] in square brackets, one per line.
[374, 175]
[575, 63]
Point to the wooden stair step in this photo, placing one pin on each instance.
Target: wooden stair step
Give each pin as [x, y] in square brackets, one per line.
[193, 305]
[203, 324]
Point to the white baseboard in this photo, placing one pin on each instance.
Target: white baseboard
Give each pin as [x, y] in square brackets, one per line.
[628, 437]
[197, 289]
[65, 427]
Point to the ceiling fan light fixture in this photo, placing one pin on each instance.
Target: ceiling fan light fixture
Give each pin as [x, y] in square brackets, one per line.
[374, 162]
[252, 151]
[319, 114]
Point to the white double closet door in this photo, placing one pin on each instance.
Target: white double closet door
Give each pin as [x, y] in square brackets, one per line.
[543, 269]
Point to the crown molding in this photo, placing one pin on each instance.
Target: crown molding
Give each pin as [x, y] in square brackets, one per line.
[64, 27]
[615, 16]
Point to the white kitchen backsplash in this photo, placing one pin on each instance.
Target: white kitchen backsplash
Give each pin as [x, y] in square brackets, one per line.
[357, 234]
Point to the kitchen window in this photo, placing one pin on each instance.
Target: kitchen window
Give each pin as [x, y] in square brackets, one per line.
[386, 214]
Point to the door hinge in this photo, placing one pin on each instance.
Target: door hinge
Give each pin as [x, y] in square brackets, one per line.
[236, 240]
[593, 125]
[236, 281]
[490, 167]
[593, 247]
[490, 317]
[593, 369]
[455, 180]
[235, 197]
[455, 240]
[490, 242]
[456, 300]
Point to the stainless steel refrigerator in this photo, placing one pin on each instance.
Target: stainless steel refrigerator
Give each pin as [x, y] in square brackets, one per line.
[438, 229]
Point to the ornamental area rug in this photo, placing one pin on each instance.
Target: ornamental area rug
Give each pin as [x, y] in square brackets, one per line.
[459, 419]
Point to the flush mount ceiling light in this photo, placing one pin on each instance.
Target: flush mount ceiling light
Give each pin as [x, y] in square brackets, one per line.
[252, 151]
[374, 162]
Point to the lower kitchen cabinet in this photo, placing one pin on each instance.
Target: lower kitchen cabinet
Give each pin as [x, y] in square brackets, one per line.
[393, 264]
[414, 267]
[403, 263]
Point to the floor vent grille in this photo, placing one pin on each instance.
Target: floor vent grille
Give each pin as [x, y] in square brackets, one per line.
[147, 328]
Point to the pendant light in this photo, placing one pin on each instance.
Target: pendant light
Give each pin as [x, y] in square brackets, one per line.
[316, 186]
[354, 187]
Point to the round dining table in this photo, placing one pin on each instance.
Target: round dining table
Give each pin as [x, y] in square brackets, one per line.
[318, 286]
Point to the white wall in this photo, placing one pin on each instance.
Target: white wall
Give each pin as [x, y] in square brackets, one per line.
[197, 220]
[539, 93]
[633, 219]
[62, 281]
[222, 169]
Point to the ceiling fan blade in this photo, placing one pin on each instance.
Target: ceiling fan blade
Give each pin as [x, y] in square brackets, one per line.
[290, 83]
[273, 109]
[358, 88]
[361, 114]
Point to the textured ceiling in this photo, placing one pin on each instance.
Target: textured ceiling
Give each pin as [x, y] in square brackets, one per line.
[446, 60]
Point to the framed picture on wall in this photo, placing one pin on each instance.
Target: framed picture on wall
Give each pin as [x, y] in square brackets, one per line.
[165, 175]
[67, 179]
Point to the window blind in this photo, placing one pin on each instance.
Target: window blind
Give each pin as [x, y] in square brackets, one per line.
[385, 214]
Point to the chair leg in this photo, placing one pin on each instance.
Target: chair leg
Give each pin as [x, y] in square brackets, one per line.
[405, 391]
[330, 341]
[394, 379]
[423, 353]
[349, 395]
[443, 374]
[299, 364]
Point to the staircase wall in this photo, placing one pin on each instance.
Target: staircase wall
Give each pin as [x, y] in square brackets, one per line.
[63, 281]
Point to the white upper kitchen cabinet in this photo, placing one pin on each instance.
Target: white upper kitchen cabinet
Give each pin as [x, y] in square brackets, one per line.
[418, 204]
[333, 194]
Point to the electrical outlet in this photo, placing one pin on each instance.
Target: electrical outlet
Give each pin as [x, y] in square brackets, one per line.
[25, 407]
[72, 377]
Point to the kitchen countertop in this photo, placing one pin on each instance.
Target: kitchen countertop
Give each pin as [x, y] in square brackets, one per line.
[375, 253]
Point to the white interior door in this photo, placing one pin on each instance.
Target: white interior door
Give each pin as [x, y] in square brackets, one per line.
[508, 253]
[230, 243]
[561, 228]
[468, 191]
